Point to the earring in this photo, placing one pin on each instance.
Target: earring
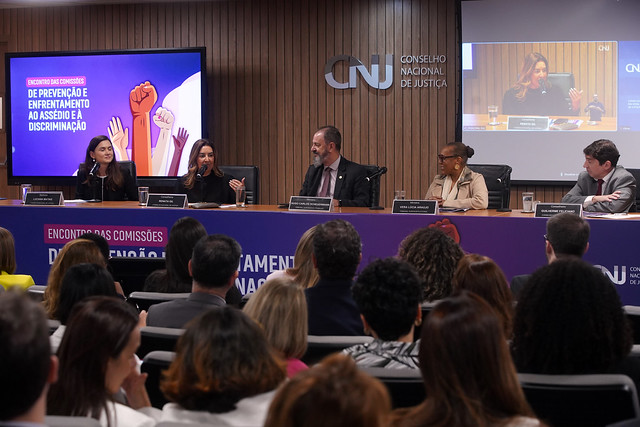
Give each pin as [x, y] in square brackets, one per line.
[418, 322]
[457, 166]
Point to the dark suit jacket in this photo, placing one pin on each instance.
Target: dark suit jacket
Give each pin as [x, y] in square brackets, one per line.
[176, 313]
[332, 310]
[518, 283]
[621, 180]
[352, 189]
[93, 188]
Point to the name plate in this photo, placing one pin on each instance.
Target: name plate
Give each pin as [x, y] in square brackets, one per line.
[44, 198]
[527, 123]
[423, 207]
[304, 203]
[546, 210]
[157, 200]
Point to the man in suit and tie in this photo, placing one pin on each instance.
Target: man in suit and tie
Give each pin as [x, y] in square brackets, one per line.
[604, 186]
[331, 175]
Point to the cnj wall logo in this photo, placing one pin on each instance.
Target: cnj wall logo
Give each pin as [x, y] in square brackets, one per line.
[619, 276]
[356, 66]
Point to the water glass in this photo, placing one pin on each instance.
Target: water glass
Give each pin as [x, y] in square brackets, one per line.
[143, 195]
[527, 202]
[493, 115]
[24, 189]
[241, 196]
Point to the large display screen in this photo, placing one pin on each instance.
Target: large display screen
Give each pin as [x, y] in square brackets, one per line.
[150, 103]
[543, 80]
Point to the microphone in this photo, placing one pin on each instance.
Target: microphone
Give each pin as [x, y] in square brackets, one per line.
[201, 172]
[543, 85]
[377, 173]
[94, 169]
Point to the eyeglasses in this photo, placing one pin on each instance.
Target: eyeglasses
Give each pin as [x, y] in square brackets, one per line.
[546, 238]
[442, 158]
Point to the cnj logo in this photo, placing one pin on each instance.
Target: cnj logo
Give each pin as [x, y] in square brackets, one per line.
[619, 276]
[356, 66]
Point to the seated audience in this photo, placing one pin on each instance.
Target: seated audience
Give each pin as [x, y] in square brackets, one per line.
[183, 236]
[569, 320]
[26, 366]
[435, 257]
[303, 271]
[79, 282]
[8, 263]
[214, 269]
[279, 306]
[482, 276]
[333, 393]
[224, 372]
[97, 357]
[388, 293]
[74, 252]
[336, 255]
[468, 373]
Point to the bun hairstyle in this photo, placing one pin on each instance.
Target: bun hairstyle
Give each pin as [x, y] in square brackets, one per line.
[461, 150]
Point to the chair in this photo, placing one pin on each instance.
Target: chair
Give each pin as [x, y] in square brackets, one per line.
[153, 364]
[581, 400]
[564, 81]
[68, 421]
[320, 346]
[131, 272]
[251, 177]
[374, 191]
[425, 308]
[405, 386]
[144, 300]
[36, 292]
[636, 203]
[153, 338]
[633, 314]
[498, 180]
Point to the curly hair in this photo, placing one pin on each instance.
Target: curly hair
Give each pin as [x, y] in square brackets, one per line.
[337, 248]
[435, 256]
[569, 320]
[388, 293]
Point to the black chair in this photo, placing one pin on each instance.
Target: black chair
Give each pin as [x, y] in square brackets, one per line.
[636, 203]
[53, 325]
[405, 386]
[131, 272]
[144, 300]
[153, 364]
[36, 292]
[320, 346]
[633, 314]
[581, 400]
[564, 81]
[498, 180]
[153, 338]
[251, 177]
[374, 190]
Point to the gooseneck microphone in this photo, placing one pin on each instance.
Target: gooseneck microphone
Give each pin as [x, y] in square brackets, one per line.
[377, 173]
[94, 169]
[543, 85]
[201, 172]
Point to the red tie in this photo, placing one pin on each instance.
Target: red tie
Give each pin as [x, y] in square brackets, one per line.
[599, 190]
[324, 191]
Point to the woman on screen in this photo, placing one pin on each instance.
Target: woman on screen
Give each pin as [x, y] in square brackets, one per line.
[533, 95]
[101, 177]
[458, 186]
[204, 181]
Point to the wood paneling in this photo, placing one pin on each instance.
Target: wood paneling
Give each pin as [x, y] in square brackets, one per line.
[265, 70]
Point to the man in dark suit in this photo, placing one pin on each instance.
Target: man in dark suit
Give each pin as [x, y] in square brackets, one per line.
[604, 186]
[336, 255]
[331, 175]
[567, 235]
[214, 269]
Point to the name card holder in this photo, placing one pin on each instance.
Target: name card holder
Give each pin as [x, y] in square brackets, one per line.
[547, 210]
[44, 198]
[305, 203]
[157, 200]
[421, 207]
[527, 123]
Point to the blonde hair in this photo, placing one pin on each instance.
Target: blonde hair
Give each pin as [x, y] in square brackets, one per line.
[280, 307]
[74, 252]
[303, 271]
[7, 251]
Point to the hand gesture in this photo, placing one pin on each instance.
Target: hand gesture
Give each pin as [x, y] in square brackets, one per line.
[163, 118]
[180, 141]
[234, 184]
[119, 137]
[134, 388]
[142, 98]
[576, 96]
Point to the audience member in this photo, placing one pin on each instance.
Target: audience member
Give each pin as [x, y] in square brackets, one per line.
[183, 236]
[26, 365]
[336, 255]
[74, 252]
[8, 263]
[468, 373]
[97, 357]
[106, 253]
[388, 293]
[435, 257]
[333, 393]
[569, 320]
[214, 269]
[224, 373]
[279, 306]
[567, 235]
[303, 271]
[482, 276]
[79, 282]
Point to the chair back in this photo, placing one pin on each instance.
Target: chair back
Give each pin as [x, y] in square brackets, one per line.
[320, 346]
[581, 400]
[251, 175]
[36, 292]
[153, 338]
[405, 386]
[564, 81]
[636, 203]
[144, 300]
[153, 364]
[131, 272]
[374, 190]
[498, 180]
